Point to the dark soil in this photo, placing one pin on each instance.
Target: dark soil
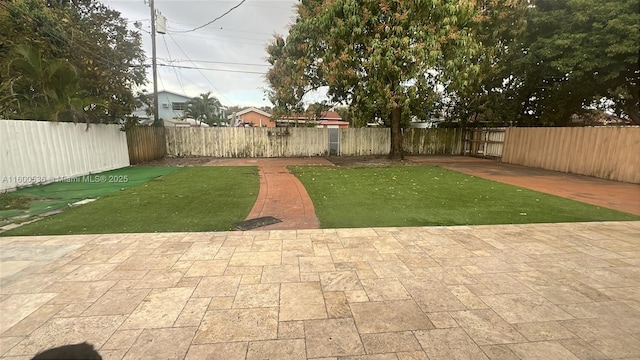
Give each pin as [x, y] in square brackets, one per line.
[181, 161]
[347, 161]
[365, 161]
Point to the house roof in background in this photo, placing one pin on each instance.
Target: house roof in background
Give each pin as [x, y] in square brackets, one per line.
[172, 93]
[334, 122]
[248, 110]
[325, 115]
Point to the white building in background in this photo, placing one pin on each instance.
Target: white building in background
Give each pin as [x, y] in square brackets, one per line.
[170, 106]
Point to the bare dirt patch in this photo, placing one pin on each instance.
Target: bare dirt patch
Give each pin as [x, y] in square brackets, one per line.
[365, 161]
[181, 161]
[346, 161]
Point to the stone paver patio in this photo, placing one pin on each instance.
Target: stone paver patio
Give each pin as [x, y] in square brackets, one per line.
[545, 291]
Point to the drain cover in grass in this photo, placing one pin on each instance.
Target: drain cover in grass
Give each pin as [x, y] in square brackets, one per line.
[256, 223]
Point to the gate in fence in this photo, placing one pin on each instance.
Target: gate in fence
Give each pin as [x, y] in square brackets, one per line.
[334, 142]
[487, 143]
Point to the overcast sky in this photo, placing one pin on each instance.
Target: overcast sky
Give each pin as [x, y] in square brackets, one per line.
[236, 42]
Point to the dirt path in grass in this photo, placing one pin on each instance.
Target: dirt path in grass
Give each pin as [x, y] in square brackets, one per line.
[281, 194]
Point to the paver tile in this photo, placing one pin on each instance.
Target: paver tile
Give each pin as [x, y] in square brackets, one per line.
[207, 268]
[499, 352]
[59, 331]
[256, 258]
[7, 342]
[117, 302]
[355, 255]
[432, 296]
[192, 312]
[389, 316]
[332, 337]
[290, 349]
[340, 281]
[33, 321]
[582, 349]
[541, 331]
[301, 301]
[337, 304]
[238, 325]
[121, 339]
[149, 262]
[442, 320]
[201, 251]
[543, 350]
[316, 264]
[390, 342]
[291, 330]
[500, 292]
[17, 307]
[90, 272]
[280, 274]
[449, 344]
[78, 291]
[391, 269]
[485, 327]
[220, 351]
[170, 343]
[159, 309]
[525, 308]
[214, 286]
[259, 295]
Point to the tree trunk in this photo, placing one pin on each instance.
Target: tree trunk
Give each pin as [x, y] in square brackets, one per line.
[396, 134]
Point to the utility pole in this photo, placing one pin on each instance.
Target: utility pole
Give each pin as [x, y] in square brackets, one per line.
[154, 65]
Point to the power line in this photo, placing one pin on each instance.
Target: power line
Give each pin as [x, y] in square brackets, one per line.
[225, 38]
[200, 71]
[214, 20]
[217, 62]
[209, 69]
[175, 70]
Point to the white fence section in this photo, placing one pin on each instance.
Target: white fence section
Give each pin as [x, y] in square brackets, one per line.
[41, 151]
[247, 142]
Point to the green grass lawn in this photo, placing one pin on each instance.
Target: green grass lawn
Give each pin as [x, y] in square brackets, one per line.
[429, 195]
[39, 199]
[189, 199]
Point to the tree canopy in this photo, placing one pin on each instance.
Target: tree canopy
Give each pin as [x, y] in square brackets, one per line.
[384, 58]
[94, 43]
[519, 62]
[565, 58]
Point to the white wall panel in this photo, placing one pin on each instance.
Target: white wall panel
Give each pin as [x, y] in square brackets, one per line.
[42, 151]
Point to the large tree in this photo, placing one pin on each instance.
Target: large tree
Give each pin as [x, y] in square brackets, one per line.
[569, 56]
[578, 51]
[92, 38]
[385, 58]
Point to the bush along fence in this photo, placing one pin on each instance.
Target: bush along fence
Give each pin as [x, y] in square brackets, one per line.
[604, 152]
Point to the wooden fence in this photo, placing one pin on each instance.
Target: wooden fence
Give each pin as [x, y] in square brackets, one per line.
[433, 141]
[603, 152]
[247, 142]
[146, 143]
[292, 142]
[484, 142]
[364, 141]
